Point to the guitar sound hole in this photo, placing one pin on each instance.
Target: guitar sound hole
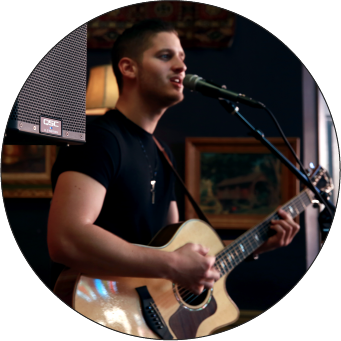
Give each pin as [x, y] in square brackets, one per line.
[192, 299]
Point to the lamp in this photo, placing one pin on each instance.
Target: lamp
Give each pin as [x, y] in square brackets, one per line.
[102, 91]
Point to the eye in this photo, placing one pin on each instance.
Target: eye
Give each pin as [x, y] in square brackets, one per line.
[165, 56]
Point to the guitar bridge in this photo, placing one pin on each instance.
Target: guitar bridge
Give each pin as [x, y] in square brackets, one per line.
[152, 315]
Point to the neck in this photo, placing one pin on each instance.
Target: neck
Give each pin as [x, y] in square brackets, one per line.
[246, 244]
[138, 111]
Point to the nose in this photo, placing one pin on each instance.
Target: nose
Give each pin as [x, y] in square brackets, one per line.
[179, 65]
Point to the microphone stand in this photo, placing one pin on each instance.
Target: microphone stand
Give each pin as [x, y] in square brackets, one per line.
[325, 220]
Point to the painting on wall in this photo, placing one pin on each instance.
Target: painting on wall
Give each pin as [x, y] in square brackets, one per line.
[237, 182]
[26, 170]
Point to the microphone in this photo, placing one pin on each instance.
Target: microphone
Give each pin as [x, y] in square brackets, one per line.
[196, 83]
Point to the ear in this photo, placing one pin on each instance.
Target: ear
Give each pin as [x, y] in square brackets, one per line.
[128, 67]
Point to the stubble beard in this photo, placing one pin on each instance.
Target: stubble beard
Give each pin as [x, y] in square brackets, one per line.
[165, 101]
[154, 92]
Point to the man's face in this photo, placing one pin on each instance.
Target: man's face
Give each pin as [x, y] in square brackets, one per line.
[162, 70]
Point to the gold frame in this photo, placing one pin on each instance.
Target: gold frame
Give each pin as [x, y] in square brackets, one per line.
[30, 185]
[195, 146]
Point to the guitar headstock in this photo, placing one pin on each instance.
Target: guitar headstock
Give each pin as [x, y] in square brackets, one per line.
[322, 180]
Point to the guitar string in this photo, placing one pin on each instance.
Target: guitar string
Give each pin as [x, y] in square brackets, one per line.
[274, 216]
[235, 249]
[239, 257]
[184, 291]
[302, 201]
[263, 227]
[247, 242]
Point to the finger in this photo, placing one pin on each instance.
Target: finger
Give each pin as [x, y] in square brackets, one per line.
[197, 290]
[294, 228]
[215, 275]
[208, 284]
[283, 214]
[207, 265]
[285, 223]
[284, 229]
[201, 249]
[210, 261]
[278, 239]
[212, 274]
[290, 228]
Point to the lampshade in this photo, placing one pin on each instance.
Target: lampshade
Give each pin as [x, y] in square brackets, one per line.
[102, 91]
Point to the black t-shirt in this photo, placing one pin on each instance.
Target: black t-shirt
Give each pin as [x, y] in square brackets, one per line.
[123, 157]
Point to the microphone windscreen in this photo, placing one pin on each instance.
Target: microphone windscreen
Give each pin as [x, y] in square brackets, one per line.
[190, 81]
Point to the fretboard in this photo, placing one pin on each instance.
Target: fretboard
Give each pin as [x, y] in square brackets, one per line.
[246, 244]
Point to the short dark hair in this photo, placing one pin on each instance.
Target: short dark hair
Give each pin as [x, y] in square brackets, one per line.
[134, 41]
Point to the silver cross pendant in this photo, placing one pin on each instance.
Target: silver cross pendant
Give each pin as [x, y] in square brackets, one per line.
[152, 190]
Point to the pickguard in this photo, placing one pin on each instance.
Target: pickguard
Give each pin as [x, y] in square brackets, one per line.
[185, 323]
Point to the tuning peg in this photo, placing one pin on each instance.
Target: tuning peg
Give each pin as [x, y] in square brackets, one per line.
[311, 166]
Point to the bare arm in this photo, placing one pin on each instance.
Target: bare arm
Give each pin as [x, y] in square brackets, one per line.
[75, 241]
[173, 213]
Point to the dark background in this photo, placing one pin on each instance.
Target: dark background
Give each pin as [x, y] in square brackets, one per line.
[256, 64]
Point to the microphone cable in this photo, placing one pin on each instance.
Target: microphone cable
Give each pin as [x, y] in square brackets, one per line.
[323, 201]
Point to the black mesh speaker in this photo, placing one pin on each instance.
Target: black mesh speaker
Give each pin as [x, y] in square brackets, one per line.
[52, 101]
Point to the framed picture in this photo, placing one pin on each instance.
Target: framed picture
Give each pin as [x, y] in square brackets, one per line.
[26, 170]
[237, 182]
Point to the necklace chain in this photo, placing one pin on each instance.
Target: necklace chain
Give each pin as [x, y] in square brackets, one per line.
[152, 174]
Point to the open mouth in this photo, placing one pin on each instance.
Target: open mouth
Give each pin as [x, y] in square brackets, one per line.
[177, 81]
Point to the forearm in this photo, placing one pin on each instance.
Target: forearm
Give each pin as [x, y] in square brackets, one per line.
[97, 252]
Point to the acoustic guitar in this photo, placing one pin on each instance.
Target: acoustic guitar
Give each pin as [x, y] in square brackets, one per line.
[157, 308]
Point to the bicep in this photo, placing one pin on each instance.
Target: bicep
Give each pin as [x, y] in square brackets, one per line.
[77, 201]
[173, 213]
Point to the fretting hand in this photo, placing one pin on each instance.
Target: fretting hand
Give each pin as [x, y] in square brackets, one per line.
[285, 228]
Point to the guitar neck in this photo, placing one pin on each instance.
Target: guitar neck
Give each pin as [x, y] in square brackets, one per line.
[246, 244]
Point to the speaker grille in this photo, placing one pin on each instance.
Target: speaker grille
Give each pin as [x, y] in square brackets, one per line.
[56, 88]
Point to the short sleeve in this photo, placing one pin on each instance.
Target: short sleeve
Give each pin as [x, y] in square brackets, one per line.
[98, 158]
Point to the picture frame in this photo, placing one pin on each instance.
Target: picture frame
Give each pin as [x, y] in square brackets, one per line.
[237, 182]
[26, 170]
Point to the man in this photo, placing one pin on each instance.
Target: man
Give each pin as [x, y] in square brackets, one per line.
[117, 190]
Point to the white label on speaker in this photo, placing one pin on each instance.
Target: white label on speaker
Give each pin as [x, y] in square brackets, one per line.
[50, 126]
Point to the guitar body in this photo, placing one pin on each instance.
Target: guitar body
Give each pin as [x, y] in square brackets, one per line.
[156, 308]
[115, 303]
